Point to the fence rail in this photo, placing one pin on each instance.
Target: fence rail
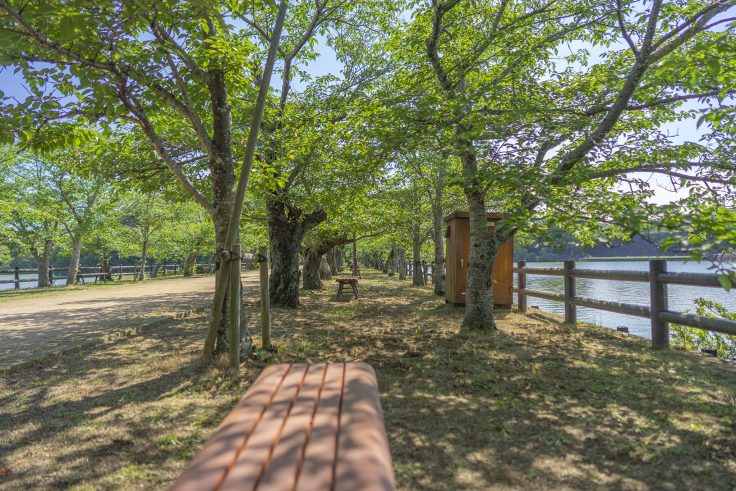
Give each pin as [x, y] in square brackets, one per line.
[115, 271]
[658, 310]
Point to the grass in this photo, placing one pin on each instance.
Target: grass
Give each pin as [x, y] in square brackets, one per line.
[534, 405]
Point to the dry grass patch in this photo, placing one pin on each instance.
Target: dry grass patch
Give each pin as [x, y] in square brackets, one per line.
[534, 405]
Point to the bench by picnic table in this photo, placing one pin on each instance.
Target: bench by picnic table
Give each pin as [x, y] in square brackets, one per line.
[347, 280]
[299, 427]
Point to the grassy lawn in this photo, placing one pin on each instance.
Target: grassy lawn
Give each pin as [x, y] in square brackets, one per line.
[534, 405]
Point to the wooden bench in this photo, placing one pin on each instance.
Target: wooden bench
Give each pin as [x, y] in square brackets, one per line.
[299, 427]
[347, 280]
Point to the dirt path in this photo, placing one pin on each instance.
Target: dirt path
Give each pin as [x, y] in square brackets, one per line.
[31, 327]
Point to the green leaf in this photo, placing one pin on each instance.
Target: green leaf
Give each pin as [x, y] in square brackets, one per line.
[725, 282]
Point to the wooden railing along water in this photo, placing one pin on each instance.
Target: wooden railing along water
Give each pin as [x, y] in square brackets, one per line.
[118, 271]
[657, 311]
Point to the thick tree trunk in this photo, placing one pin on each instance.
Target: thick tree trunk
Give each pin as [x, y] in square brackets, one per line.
[312, 260]
[438, 266]
[391, 261]
[416, 242]
[154, 269]
[286, 229]
[483, 248]
[71, 277]
[325, 271]
[190, 263]
[43, 264]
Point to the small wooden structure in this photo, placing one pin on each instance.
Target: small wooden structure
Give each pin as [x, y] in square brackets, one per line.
[347, 280]
[457, 235]
[299, 427]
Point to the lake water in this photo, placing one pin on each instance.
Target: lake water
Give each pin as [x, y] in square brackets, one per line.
[681, 298]
[30, 284]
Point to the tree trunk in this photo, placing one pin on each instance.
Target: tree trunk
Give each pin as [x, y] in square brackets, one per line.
[154, 269]
[416, 242]
[483, 249]
[312, 260]
[144, 258]
[190, 263]
[391, 261]
[333, 259]
[43, 264]
[286, 228]
[339, 260]
[71, 277]
[105, 264]
[438, 266]
[325, 271]
[223, 342]
[402, 264]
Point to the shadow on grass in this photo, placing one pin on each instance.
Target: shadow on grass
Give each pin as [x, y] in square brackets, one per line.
[534, 405]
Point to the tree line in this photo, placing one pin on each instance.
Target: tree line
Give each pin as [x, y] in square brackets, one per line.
[382, 117]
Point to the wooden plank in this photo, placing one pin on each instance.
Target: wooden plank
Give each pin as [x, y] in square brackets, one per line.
[620, 308]
[253, 459]
[283, 467]
[603, 274]
[556, 297]
[724, 326]
[692, 279]
[363, 457]
[211, 465]
[317, 468]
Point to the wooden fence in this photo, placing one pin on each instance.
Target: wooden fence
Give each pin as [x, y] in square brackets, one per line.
[96, 272]
[658, 310]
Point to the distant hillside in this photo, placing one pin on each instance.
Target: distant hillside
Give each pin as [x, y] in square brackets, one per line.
[635, 247]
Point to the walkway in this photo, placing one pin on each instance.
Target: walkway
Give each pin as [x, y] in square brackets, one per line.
[33, 326]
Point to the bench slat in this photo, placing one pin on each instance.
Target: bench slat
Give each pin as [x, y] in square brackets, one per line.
[246, 472]
[210, 466]
[289, 452]
[314, 474]
[364, 460]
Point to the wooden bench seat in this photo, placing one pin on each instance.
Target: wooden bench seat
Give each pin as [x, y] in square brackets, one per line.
[299, 427]
[347, 280]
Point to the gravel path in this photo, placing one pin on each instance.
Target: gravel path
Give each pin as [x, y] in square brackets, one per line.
[31, 327]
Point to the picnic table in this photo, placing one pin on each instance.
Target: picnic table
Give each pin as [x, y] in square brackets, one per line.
[299, 427]
[347, 280]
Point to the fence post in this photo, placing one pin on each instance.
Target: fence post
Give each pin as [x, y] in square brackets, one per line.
[235, 300]
[16, 277]
[521, 286]
[265, 298]
[570, 310]
[120, 272]
[51, 275]
[176, 266]
[658, 303]
[163, 273]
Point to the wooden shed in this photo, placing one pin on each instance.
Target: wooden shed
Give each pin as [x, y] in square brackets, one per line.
[457, 235]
